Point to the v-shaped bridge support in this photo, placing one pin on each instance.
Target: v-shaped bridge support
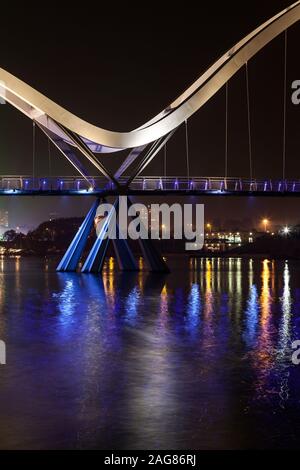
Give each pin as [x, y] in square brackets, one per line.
[96, 257]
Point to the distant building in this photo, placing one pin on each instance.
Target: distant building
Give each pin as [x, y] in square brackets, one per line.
[222, 240]
[3, 218]
[54, 216]
[3, 222]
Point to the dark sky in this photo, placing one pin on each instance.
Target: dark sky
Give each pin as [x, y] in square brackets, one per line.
[118, 65]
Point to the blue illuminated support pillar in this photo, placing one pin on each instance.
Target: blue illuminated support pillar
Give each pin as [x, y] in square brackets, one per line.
[153, 259]
[95, 260]
[126, 260]
[125, 257]
[73, 254]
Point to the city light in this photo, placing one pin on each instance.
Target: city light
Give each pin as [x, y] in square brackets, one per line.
[286, 230]
[209, 227]
[265, 224]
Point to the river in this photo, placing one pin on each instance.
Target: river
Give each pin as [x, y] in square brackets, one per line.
[197, 359]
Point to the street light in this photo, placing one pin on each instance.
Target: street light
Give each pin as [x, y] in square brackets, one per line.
[265, 223]
[209, 227]
[286, 230]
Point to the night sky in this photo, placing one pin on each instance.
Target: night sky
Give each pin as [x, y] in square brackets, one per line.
[117, 66]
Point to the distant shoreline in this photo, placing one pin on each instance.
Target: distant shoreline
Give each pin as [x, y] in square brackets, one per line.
[227, 255]
[244, 256]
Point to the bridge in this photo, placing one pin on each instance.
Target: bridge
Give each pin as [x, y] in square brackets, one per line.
[147, 186]
[80, 142]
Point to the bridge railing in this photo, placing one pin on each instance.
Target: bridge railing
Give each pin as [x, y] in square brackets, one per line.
[55, 183]
[208, 184]
[13, 183]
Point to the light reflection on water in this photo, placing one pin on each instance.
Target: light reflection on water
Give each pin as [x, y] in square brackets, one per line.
[200, 358]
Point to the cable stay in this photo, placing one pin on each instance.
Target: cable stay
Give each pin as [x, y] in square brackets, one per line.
[33, 151]
[226, 133]
[249, 123]
[284, 106]
[187, 152]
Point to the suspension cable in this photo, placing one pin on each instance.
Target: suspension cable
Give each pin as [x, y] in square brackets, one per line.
[226, 131]
[249, 123]
[49, 157]
[165, 162]
[284, 105]
[33, 151]
[187, 151]
[49, 153]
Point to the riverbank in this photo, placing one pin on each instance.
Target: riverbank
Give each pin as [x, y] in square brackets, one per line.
[275, 247]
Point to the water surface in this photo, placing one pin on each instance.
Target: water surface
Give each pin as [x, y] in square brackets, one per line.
[198, 359]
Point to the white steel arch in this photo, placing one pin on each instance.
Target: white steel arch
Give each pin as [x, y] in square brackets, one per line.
[51, 116]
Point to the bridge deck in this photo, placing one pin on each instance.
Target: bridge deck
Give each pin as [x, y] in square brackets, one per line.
[194, 186]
